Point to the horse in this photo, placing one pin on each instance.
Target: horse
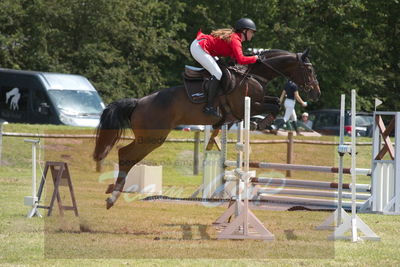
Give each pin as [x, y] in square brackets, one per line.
[152, 117]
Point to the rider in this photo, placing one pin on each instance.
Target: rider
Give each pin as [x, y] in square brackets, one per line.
[221, 42]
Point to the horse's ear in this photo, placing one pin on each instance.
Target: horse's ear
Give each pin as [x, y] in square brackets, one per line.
[305, 54]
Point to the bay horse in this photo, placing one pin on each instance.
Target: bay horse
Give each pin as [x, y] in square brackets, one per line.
[153, 117]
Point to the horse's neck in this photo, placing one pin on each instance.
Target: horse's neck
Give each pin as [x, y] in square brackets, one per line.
[274, 66]
[246, 84]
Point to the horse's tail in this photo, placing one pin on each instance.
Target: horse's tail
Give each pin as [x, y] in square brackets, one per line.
[115, 118]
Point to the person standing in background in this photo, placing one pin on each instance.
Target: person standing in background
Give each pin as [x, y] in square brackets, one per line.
[289, 96]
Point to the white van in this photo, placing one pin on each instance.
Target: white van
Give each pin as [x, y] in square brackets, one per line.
[48, 98]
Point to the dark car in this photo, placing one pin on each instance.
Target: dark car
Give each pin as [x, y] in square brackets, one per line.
[327, 122]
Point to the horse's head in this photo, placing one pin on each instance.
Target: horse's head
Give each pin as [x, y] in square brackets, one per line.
[305, 77]
[296, 67]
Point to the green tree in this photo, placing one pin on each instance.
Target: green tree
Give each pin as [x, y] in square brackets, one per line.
[130, 48]
[123, 47]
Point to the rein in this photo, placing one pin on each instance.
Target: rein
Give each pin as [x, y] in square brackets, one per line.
[308, 84]
[272, 68]
[245, 75]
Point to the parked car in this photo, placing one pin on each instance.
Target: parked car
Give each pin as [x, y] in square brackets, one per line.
[327, 122]
[48, 98]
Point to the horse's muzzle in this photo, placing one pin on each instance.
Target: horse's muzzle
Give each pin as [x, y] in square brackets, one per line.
[313, 91]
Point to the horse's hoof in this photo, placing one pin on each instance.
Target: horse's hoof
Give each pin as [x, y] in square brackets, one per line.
[109, 203]
[110, 189]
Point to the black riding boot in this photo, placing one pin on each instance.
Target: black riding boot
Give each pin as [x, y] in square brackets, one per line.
[212, 91]
[294, 125]
[276, 126]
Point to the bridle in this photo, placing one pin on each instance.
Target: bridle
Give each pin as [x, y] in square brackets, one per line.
[308, 83]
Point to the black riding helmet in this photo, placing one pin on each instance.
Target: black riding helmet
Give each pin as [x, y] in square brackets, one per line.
[245, 23]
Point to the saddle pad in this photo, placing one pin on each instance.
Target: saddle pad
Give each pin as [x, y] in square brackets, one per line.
[194, 89]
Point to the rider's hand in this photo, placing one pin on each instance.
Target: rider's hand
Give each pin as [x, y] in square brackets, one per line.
[305, 104]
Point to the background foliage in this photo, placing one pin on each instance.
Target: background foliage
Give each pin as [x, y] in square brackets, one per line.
[129, 48]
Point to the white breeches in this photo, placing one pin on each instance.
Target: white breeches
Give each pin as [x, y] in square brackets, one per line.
[290, 113]
[206, 60]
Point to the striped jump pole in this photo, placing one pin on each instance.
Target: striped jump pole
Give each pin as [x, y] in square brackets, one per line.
[310, 202]
[299, 167]
[308, 184]
[307, 192]
[301, 192]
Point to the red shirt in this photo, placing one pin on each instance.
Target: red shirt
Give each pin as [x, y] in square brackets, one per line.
[217, 47]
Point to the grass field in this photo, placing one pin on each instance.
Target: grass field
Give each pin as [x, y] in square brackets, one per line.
[155, 233]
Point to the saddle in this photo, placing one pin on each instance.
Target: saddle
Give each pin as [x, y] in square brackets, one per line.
[196, 79]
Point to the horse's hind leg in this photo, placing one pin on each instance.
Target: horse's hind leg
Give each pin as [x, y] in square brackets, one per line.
[130, 155]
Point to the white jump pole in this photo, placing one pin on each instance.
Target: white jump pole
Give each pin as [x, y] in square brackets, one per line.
[246, 225]
[246, 168]
[239, 164]
[353, 222]
[341, 154]
[353, 167]
[33, 200]
[335, 219]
